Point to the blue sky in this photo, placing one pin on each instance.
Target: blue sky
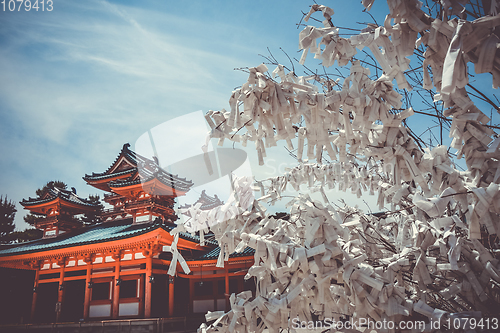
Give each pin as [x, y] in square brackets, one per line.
[80, 81]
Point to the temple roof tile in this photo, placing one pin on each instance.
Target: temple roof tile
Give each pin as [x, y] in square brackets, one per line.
[146, 168]
[207, 202]
[53, 194]
[97, 234]
[214, 254]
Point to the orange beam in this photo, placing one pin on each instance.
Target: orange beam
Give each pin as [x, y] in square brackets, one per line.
[157, 271]
[134, 272]
[48, 280]
[156, 236]
[102, 275]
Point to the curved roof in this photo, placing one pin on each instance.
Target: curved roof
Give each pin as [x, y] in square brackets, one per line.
[55, 193]
[135, 164]
[125, 153]
[100, 176]
[207, 202]
[100, 233]
[124, 182]
[214, 254]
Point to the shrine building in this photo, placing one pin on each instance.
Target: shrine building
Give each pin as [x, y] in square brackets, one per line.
[117, 269]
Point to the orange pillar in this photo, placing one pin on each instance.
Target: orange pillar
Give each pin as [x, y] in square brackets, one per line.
[191, 295]
[33, 302]
[147, 298]
[60, 295]
[116, 291]
[88, 279]
[171, 296]
[226, 278]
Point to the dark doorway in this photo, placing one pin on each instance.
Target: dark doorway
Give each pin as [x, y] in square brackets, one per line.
[74, 299]
[181, 297]
[46, 300]
[250, 285]
[16, 294]
[159, 297]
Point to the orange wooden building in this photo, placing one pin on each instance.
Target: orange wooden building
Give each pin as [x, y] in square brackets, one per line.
[118, 269]
[59, 207]
[138, 187]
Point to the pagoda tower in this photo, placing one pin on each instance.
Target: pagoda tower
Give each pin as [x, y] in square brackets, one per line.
[138, 187]
[205, 201]
[58, 208]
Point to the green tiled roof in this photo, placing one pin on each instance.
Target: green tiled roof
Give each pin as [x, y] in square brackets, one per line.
[100, 233]
[214, 254]
[99, 176]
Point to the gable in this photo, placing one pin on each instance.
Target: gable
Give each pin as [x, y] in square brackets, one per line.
[121, 165]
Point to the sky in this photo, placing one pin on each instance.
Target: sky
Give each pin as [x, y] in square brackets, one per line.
[79, 81]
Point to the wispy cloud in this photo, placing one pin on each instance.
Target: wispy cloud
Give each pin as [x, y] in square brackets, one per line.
[78, 82]
[77, 85]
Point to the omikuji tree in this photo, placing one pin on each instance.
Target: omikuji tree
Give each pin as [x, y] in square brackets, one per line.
[432, 253]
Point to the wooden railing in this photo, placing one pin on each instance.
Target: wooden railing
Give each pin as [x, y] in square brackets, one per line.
[153, 325]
